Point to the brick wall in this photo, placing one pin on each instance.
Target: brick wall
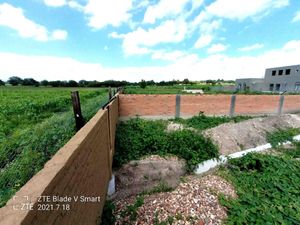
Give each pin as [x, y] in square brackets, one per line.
[147, 105]
[81, 168]
[163, 106]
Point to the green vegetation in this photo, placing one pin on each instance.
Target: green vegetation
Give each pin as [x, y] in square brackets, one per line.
[153, 89]
[281, 136]
[128, 215]
[136, 138]
[268, 190]
[202, 122]
[35, 123]
[161, 187]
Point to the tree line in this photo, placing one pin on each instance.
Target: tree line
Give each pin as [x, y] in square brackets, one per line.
[15, 81]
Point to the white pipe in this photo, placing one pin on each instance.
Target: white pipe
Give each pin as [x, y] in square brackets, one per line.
[212, 163]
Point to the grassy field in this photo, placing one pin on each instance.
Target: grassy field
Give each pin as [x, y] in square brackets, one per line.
[34, 124]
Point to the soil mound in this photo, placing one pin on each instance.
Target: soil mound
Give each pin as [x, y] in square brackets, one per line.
[145, 174]
[235, 137]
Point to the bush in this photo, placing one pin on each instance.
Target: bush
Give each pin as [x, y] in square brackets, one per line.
[136, 138]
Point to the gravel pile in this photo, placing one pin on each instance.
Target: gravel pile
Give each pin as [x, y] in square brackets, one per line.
[194, 201]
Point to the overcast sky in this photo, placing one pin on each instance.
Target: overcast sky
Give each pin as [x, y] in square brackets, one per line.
[147, 39]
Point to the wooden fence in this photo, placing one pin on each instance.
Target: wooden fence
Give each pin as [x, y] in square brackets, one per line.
[72, 187]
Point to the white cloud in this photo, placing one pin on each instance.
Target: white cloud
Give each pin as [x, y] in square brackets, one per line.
[216, 48]
[55, 3]
[168, 56]
[203, 41]
[15, 19]
[163, 9]
[59, 35]
[251, 47]
[186, 66]
[296, 17]
[103, 13]
[138, 41]
[240, 10]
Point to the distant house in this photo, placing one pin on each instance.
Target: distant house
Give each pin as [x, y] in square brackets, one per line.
[277, 79]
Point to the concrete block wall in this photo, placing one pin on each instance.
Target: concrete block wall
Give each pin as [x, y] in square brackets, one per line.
[80, 169]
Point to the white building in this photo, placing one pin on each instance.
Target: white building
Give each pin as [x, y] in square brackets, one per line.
[277, 79]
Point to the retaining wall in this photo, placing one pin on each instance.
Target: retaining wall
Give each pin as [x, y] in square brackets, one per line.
[82, 168]
[164, 106]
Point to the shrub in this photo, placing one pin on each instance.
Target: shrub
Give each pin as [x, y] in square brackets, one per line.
[136, 138]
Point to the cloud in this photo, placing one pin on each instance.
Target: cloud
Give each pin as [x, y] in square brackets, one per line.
[207, 30]
[163, 9]
[296, 17]
[103, 13]
[168, 56]
[15, 19]
[185, 66]
[251, 47]
[216, 48]
[240, 10]
[138, 41]
[59, 35]
[55, 3]
[203, 41]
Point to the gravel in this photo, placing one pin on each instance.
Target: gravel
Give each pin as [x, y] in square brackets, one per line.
[194, 201]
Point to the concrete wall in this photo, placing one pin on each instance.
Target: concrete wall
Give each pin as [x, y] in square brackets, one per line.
[163, 106]
[81, 168]
[287, 82]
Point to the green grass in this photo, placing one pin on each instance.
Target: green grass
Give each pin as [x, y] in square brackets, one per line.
[202, 122]
[37, 132]
[137, 137]
[268, 190]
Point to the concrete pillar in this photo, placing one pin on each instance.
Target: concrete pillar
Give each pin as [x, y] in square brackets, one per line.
[177, 107]
[280, 106]
[232, 105]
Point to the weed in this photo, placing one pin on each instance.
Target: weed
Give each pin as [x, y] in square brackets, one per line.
[202, 122]
[268, 190]
[161, 187]
[280, 136]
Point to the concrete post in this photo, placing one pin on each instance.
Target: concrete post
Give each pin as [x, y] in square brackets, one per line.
[232, 105]
[280, 106]
[177, 107]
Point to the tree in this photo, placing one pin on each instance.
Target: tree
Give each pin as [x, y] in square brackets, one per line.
[186, 81]
[2, 83]
[72, 83]
[14, 81]
[44, 83]
[83, 83]
[143, 84]
[30, 82]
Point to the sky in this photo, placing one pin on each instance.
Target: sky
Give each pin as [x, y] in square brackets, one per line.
[147, 39]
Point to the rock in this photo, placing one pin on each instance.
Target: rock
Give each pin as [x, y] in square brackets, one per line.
[174, 126]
